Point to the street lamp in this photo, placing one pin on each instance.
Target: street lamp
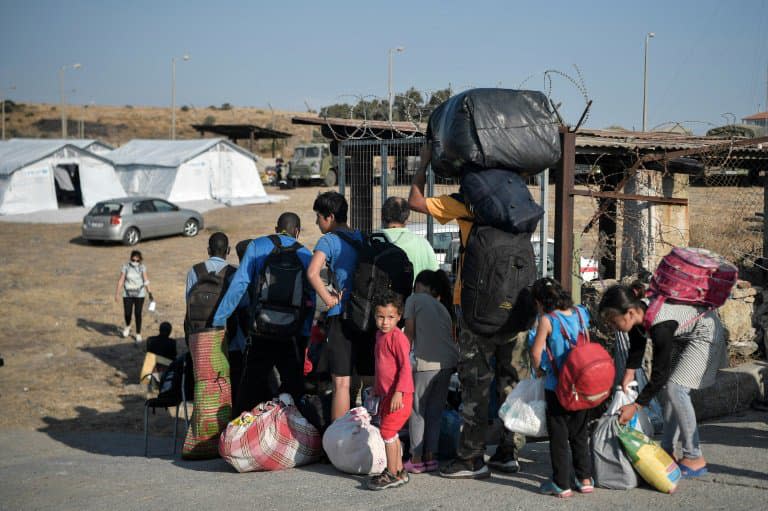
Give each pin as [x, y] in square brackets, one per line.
[2, 100]
[63, 100]
[390, 95]
[173, 95]
[648, 36]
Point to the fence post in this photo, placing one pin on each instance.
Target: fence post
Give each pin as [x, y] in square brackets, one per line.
[564, 210]
[430, 193]
[544, 226]
[384, 180]
[342, 166]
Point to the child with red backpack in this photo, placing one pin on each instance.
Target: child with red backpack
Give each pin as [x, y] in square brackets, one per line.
[551, 340]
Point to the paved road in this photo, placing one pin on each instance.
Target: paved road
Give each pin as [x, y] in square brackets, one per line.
[47, 470]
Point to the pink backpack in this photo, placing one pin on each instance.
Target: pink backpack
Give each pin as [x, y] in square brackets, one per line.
[692, 276]
[587, 376]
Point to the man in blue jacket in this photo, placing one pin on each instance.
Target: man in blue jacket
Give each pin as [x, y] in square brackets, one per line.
[263, 354]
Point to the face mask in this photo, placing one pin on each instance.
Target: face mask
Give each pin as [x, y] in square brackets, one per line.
[135, 264]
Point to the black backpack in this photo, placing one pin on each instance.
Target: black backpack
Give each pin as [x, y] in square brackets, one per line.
[280, 299]
[204, 297]
[498, 268]
[381, 265]
[171, 381]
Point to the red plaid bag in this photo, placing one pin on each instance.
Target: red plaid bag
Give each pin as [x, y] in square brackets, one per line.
[273, 436]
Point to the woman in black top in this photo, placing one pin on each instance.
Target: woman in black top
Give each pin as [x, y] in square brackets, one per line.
[688, 349]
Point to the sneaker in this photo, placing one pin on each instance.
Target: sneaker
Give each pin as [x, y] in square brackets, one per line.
[126, 331]
[504, 461]
[550, 488]
[403, 476]
[465, 469]
[138, 338]
[386, 480]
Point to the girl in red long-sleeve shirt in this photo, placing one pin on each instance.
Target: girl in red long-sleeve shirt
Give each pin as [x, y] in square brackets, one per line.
[393, 386]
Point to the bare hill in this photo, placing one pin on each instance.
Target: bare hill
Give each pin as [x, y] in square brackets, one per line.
[117, 125]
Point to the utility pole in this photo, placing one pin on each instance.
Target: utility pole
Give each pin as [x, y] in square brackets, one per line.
[63, 99]
[648, 36]
[173, 95]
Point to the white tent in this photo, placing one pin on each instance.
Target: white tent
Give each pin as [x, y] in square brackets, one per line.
[91, 145]
[187, 170]
[40, 174]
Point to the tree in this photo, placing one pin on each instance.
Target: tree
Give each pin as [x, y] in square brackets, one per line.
[341, 110]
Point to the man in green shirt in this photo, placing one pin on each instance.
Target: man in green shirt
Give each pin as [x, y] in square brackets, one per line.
[394, 215]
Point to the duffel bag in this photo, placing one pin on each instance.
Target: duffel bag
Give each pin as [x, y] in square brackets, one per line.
[353, 445]
[273, 436]
[494, 128]
[500, 198]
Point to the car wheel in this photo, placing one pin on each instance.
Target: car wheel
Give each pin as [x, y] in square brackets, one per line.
[330, 179]
[191, 228]
[131, 236]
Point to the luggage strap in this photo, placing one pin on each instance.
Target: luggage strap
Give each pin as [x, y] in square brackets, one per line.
[566, 336]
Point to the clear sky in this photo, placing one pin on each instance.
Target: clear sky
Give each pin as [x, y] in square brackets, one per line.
[708, 57]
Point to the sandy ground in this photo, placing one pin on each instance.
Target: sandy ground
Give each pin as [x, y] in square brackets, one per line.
[66, 366]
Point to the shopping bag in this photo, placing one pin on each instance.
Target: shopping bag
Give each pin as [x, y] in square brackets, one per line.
[641, 421]
[652, 462]
[525, 409]
[612, 467]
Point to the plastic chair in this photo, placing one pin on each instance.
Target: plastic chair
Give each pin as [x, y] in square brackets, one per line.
[162, 402]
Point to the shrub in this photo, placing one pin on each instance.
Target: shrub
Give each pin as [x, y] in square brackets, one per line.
[185, 108]
[129, 107]
[209, 120]
[225, 106]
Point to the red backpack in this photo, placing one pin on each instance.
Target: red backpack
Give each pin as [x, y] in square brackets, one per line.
[693, 276]
[586, 378]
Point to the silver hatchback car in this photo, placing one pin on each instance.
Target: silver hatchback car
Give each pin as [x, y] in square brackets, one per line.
[131, 219]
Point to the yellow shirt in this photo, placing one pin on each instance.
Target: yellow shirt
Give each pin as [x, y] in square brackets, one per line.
[445, 209]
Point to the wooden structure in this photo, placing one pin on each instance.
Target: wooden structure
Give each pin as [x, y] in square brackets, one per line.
[235, 132]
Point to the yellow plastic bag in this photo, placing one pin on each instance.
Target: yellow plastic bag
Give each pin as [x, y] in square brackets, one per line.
[652, 462]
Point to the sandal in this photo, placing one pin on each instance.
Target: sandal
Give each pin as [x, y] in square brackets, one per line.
[415, 468]
[688, 472]
[584, 488]
[550, 488]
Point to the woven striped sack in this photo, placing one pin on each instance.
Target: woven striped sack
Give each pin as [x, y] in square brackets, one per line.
[213, 394]
[273, 436]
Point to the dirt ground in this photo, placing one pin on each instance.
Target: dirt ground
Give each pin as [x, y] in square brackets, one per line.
[66, 366]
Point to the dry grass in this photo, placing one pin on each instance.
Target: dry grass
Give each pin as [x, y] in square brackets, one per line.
[117, 125]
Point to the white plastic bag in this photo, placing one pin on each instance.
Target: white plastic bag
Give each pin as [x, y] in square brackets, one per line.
[525, 409]
[353, 445]
[641, 421]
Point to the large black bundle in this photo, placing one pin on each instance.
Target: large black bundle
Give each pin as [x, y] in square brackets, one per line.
[494, 128]
[501, 199]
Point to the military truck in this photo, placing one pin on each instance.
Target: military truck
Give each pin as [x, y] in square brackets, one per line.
[313, 164]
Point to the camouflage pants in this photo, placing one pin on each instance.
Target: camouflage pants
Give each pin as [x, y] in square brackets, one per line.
[476, 373]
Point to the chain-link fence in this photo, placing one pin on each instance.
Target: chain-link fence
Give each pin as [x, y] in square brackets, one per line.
[724, 213]
[370, 171]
